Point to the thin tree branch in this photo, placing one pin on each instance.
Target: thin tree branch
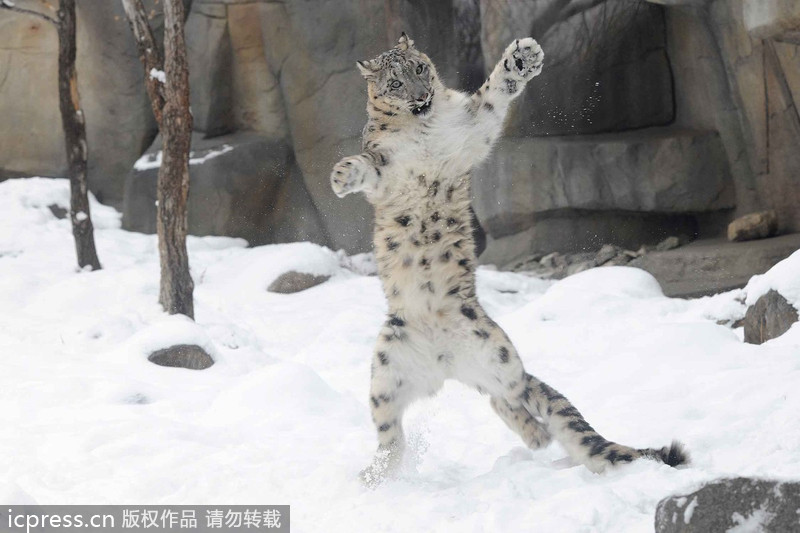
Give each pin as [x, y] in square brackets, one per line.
[5, 4]
[149, 54]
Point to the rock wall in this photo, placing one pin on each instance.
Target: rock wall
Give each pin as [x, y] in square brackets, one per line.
[119, 123]
[759, 48]
[736, 73]
[712, 83]
[650, 118]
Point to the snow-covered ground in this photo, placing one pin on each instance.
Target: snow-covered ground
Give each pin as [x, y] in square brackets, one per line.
[282, 417]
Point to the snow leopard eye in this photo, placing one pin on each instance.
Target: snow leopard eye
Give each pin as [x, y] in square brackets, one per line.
[395, 84]
[420, 68]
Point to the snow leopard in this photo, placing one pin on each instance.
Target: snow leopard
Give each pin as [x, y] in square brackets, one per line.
[419, 146]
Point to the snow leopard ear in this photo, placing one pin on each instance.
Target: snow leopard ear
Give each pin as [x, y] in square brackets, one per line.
[404, 42]
[368, 69]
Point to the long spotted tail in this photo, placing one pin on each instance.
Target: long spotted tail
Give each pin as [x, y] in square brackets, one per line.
[584, 445]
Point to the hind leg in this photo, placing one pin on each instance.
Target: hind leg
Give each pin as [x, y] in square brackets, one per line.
[533, 433]
[505, 379]
[389, 396]
[491, 364]
[398, 379]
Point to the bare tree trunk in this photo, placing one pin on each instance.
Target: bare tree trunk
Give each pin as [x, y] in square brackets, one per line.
[74, 125]
[170, 102]
[173, 176]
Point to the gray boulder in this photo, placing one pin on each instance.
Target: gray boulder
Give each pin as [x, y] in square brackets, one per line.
[188, 356]
[241, 185]
[569, 194]
[753, 226]
[293, 281]
[653, 171]
[770, 317]
[738, 504]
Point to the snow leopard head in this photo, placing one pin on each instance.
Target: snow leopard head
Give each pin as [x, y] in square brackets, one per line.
[402, 77]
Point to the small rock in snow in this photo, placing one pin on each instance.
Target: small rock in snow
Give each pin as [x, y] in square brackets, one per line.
[188, 356]
[293, 281]
[771, 316]
[58, 211]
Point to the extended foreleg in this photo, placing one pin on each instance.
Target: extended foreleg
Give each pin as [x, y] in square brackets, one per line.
[357, 173]
[521, 62]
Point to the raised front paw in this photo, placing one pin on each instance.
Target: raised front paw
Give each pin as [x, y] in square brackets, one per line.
[348, 176]
[524, 58]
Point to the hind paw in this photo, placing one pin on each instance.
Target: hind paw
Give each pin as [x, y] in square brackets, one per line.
[536, 437]
[384, 465]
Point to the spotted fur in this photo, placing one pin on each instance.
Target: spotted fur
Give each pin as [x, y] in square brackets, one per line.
[420, 143]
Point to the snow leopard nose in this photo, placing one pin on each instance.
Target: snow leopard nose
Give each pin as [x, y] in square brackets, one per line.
[424, 97]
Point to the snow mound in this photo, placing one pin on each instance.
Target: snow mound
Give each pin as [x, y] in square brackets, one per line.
[27, 201]
[598, 291]
[783, 277]
[261, 396]
[613, 281]
[257, 267]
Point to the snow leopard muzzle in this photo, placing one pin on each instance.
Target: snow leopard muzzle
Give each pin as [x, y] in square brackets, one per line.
[423, 108]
